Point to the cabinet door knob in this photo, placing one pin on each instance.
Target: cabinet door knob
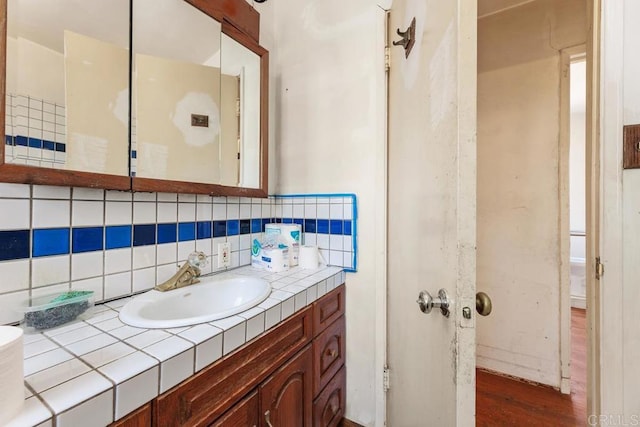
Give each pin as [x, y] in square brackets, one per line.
[266, 418]
[331, 352]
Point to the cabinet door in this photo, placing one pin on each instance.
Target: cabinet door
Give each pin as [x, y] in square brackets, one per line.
[242, 414]
[286, 396]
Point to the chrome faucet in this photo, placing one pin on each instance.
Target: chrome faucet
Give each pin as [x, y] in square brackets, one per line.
[187, 274]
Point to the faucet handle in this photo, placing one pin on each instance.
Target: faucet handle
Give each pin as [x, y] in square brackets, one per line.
[197, 259]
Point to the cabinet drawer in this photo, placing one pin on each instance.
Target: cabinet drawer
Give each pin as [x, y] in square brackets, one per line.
[328, 408]
[328, 354]
[327, 309]
[244, 413]
[207, 395]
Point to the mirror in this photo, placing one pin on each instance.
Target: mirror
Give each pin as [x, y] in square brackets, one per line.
[67, 89]
[194, 121]
[199, 101]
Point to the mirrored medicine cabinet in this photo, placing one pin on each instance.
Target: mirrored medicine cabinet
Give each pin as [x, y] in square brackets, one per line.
[142, 95]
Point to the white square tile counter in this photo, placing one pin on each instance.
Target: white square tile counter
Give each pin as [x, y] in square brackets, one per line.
[103, 369]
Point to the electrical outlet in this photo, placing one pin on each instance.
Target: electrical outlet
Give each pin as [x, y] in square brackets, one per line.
[224, 254]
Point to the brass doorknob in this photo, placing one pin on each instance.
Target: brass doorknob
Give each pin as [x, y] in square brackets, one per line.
[483, 304]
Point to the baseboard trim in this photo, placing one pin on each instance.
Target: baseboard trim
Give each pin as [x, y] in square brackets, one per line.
[522, 380]
[349, 423]
[578, 302]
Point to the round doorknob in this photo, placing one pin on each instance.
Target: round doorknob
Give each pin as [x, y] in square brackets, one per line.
[483, 304]
[426, 302]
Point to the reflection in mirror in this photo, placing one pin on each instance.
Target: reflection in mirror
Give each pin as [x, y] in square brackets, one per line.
[240, 147]
[67, 80]
[176, 89]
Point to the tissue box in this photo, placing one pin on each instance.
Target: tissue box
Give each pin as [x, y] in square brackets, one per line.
[49, 311]
[270, 258]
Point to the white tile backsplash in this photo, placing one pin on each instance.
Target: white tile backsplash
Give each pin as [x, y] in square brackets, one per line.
[16, 213]
[87, 213]
[51, 213]
[87, 264]
[144, 279]
[186, 212]
[144, 212]
[120, 271]
[117, 285]
[144, 256]
[118, 212]
[117, 260]
[14, 275]
[49, 270]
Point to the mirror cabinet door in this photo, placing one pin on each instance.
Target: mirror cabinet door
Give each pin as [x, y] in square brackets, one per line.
[176, 92]
[67, 93]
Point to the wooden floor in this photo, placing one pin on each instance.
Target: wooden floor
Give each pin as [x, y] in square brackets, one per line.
[502, 401]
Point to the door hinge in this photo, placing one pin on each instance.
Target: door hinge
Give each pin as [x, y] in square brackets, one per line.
[385, 379]
[387, 58]
[599, 268]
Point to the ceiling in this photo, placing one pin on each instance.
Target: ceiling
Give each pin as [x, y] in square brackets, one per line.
[490, 7]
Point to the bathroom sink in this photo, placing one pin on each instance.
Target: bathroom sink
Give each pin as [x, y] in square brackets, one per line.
[211, 299]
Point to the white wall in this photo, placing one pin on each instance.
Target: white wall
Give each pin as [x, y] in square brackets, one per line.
[328, 103]
[577, 182]
[518, 186]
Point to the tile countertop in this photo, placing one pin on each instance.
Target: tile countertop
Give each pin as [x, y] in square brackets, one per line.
[96, 371]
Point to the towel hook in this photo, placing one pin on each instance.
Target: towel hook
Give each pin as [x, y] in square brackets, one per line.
[408, 38]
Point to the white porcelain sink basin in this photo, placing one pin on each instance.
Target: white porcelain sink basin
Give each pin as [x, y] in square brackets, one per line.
[211, 299]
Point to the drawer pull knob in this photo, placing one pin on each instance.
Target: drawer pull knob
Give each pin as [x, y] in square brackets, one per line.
[331, 352]
[266, 418]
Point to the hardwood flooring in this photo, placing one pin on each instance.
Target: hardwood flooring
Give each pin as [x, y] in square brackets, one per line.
[502, 401]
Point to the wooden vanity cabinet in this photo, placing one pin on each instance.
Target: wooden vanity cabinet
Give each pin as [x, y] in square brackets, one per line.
[291, 376]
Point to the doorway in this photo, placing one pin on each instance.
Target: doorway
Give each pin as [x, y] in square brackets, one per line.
[523, 196]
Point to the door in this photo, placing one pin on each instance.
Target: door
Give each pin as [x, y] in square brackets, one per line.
[286, 396]
[431, 214]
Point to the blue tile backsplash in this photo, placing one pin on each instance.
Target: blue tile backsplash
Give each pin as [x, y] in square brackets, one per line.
[56, 238]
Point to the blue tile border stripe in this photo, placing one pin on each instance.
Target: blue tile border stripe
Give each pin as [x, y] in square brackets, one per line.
[51, 241]
[14, 244]
[22, 244]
